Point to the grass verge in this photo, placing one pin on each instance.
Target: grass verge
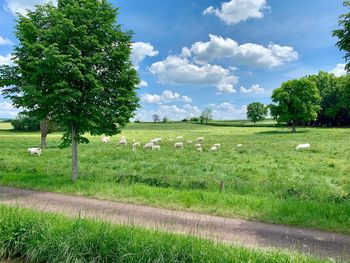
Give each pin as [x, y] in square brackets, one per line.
[42, 237]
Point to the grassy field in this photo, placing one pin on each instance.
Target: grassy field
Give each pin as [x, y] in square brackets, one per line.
[40, 237]
[266, 180]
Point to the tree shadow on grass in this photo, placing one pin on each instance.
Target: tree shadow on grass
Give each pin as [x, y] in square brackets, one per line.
[280, 132]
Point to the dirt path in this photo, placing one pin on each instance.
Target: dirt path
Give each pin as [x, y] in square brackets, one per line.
[229, 230]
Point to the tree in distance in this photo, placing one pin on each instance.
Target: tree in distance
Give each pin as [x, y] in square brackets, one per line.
[295, 101]
[256, 111]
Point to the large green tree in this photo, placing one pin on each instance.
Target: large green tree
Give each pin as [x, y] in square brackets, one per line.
[73, 64]
[256, 111]
[296, 101]
[207, 114]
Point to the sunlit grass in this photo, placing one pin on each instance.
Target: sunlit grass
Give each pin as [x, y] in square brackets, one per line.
[40, 237]
[266, 180]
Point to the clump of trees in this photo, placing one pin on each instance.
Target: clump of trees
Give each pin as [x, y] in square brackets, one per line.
[25, 123]
[256, 112]
[207, 114]
[72, 65]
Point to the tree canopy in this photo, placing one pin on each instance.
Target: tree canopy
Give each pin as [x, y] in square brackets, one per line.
[296, 101]
[73, 64]
[256, 111]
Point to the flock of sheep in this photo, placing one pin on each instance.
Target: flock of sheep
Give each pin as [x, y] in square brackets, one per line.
[155, 144]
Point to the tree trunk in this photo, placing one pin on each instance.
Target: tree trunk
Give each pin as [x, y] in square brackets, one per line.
[74, 153]
[44, 128]
[293, 127]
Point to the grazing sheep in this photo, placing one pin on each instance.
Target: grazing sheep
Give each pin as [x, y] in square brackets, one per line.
[156, 140]
[33, 151]
[189, 141]
[105, 139]
[179, 145]
[123, 142]
[136, 144]
[179, 138]
[239, 145]
[213, 149]
[199, 149]
[217, 145]
[134, 148]
[198, 145]
[303, 146]
[200, 139]
[148, 146]
[156, 147]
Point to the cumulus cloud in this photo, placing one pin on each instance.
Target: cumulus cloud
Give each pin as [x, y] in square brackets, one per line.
[20, 6]
[166, 96]
[7, 110]
[228, 111]
[5, 41]
[172, 112]
[235, 11]
[143, 84]
[180, 70]
[339, 70]
[255, 89]
[149, 98]
[141, 50]
[218, 48]
[5, 60]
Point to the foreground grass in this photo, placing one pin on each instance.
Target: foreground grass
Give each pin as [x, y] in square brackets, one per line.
[41, 237]
[267, 180]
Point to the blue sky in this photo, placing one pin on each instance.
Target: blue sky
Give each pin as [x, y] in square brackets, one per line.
[193, 54]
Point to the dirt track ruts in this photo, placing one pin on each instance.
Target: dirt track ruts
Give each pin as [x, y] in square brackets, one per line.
[230, 230]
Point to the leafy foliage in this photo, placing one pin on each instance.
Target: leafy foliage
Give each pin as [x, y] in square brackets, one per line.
[296, 101]
[25, 123]
[256, 111]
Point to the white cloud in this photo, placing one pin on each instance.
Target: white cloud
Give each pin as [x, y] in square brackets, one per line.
[172, 112]
[149, 98]
[7, 110]
[141, 50]
[20, 6]
[235, 11]
[5, 41]
[143, 84]
[179, 70]
[218, 48]
[255, 89]
[5, 60]
[339, 70]
[228, 111]
[166, 96]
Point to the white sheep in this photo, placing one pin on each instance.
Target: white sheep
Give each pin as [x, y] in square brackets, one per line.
[199, 149]
[303, 146]
[123, 142]
[179, 145]
[213, 149]
[179, 138]
[148, 145]
[189, 141]
[156, 147]
[33, 151]
[156, 140]
[105, 139]
[200, 139]
[134, 149]
[217, 145]
[239, 145]
[198, 145]
[136, 144]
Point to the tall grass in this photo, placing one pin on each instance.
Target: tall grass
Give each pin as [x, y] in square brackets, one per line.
[41, 237]
[266, 180]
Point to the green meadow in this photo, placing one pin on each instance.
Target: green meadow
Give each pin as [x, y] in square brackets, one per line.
[265, 180]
